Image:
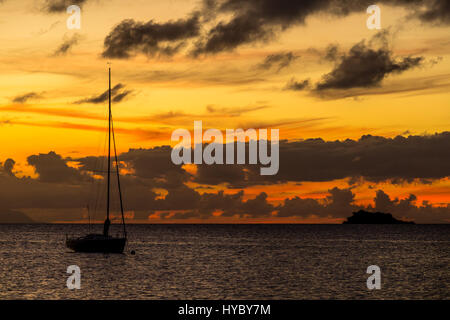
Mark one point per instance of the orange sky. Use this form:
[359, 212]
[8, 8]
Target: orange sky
[224, 90]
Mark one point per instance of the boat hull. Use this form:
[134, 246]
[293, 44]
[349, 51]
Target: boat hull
[97, 244]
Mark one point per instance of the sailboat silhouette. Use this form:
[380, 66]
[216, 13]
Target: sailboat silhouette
[104, 242]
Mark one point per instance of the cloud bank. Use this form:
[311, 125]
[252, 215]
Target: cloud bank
[224, 25]
[154, 186]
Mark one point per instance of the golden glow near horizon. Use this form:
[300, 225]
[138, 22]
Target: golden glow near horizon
[226, 90]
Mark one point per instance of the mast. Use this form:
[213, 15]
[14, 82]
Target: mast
[111, 129]
[107, 222]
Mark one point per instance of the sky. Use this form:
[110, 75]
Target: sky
[363, 114]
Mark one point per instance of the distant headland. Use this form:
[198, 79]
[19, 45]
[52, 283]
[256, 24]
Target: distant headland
[365, 217]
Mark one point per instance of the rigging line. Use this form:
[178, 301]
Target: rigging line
[99, 164]
[94, 188]
[118, 179]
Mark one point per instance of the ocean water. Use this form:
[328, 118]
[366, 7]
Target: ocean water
[231, 262]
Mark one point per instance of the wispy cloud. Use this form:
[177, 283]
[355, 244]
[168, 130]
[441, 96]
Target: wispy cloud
[67, 44]
[139, 133]
[23, 98]
[116, 94]
[59, 112]
[278, 61]
[297, 85]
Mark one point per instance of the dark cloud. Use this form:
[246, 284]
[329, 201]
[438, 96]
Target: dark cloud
[52, 168]
[260, 20]
[162, 171]
[278, 61]
[58, 6]
[362, 69]
[229, 24]
[301, 207]
[408, 207]
[228, 36]
[8, 166]
[297, 85]
[331, 52]
[365, 67]
[214, 174]
[121, 96]
[23, 98]
[373, 158]
[67, 44]
[436, 12]
[204, 206]
[145, 171]
[150, 38]
[27, 193]
[257, 207]
[254, 21]
[412, 86]
[116, 95]
[340, 202]
[226, 203]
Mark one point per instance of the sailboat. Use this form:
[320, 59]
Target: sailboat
[104, 242]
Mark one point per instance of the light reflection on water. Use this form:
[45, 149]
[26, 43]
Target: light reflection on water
[231, 262]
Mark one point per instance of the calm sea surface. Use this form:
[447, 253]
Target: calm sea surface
[231, 262]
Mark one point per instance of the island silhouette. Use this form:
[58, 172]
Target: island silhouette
[366, 217]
